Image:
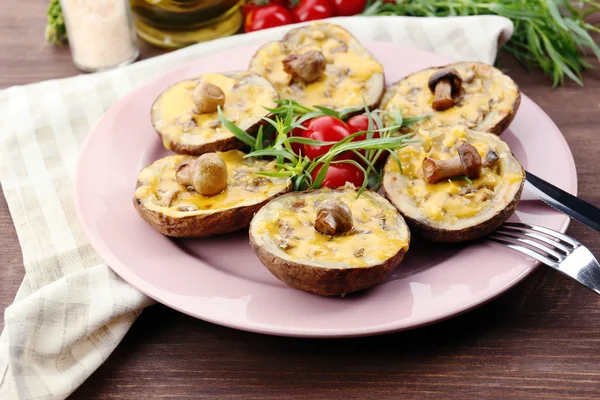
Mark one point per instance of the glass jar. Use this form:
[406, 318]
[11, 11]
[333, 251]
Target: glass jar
[101, 33]
[178, 23]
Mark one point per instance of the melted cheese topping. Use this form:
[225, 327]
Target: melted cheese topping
[452, 202]
[488, 97]
[348, 75]
[286, 226]
[174, 116]
[160, 191]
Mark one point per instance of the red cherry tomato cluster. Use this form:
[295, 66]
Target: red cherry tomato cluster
[263, 14]
[330, 129]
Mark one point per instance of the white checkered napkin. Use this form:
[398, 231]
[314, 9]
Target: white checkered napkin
[71, 310]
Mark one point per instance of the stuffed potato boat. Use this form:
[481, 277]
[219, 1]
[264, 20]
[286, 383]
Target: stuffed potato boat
[216, 193]
[185, 114]
[456, 186]
[472, 95]
[328, 241]
[321, 64]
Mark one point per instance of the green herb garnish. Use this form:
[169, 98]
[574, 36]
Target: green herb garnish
[462, 178]
[552, 35]
[56, 32]
[290, 115]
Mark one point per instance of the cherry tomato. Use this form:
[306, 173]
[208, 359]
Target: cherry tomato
[325, 129]
[338, 174]
[360, 123]
[310, 10]
[269, 16]
[348, 7]
[247, 6]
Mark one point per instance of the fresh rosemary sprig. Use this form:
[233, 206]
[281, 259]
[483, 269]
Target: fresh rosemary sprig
[276, 141]
[552, 35]
[56, 32]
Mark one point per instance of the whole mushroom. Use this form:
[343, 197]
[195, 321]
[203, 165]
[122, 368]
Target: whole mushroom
[308, 67]
[446, 84]
[334, 217]
[466, 163]
[207, 174]
[207, 97]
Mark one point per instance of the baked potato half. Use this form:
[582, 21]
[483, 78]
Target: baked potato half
[469, 94]
[168, 193]
[433, 190]
[186, 118]
[321, 64]
[328, 241]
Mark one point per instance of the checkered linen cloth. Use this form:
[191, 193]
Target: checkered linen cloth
[71, 310]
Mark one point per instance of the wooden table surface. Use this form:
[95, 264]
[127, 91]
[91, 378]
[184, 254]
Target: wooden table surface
[539, 340]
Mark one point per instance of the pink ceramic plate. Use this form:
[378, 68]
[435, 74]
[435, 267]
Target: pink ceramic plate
[221, 281]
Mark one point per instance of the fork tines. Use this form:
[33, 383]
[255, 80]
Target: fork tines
[543, 244]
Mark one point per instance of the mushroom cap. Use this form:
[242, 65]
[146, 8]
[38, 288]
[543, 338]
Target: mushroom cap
[209, 174]
[308, 66]
[449, 74]
[333, 217]
[470, 159]
[207, 97]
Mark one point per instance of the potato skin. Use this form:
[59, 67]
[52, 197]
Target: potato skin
[199, 226]
[326, 281]
[505, 122]
[498, 128]
[372, 106]
[463, 235]
[230, 143]
[381, 91]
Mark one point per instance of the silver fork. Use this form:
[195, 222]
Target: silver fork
[555, 249]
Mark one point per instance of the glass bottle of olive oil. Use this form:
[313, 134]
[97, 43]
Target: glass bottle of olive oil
[178, 23]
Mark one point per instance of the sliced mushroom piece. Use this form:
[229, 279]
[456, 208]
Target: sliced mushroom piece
[490, 158]
[333, 217]
[308, 67]
[207, 174]
[446, 85]
[208, 98]
[168, 198]
[467, 163]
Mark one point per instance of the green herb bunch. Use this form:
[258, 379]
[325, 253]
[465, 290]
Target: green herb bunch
[552, 35]
[56, 32]
[276, 141]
